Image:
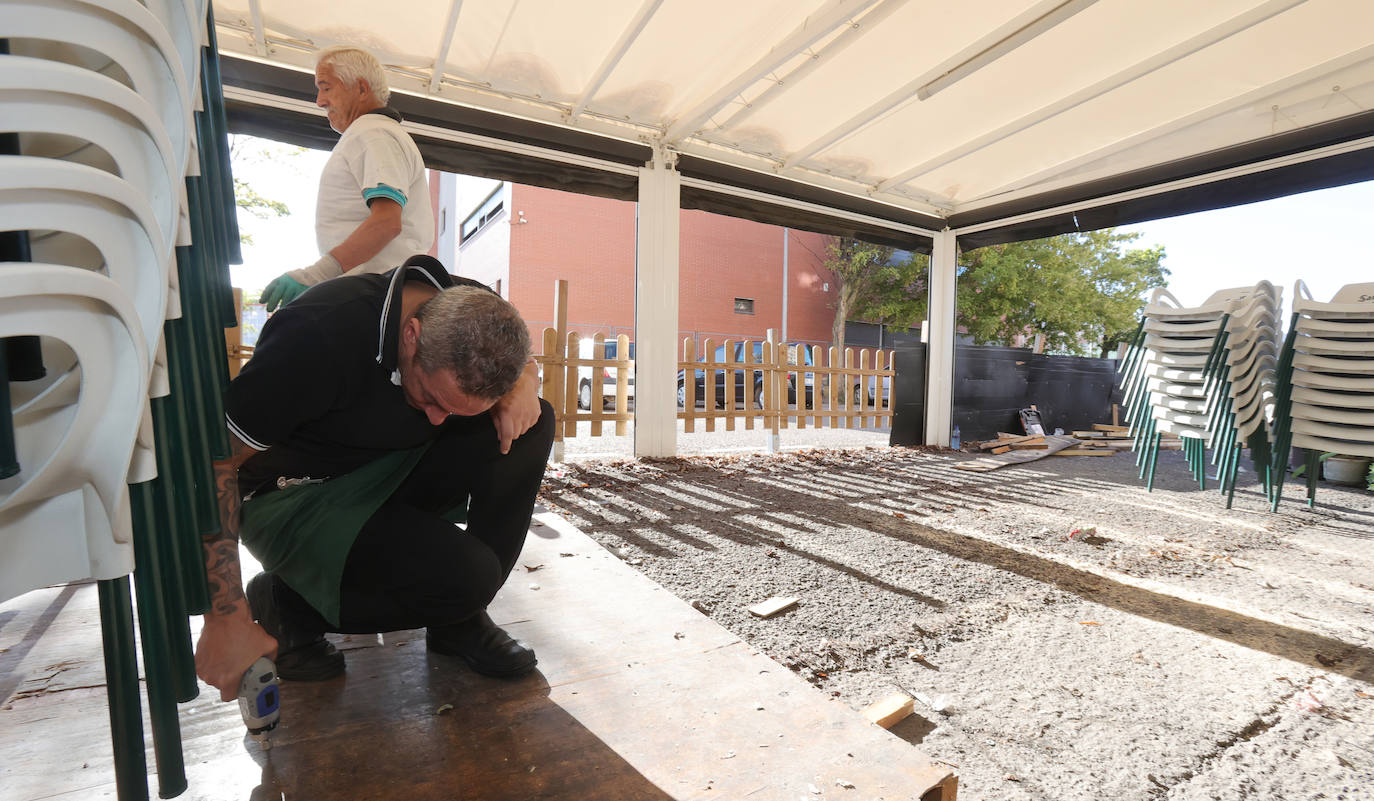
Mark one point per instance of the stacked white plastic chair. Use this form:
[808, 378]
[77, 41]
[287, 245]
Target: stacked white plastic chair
[1326, 380]
[1204, 375]
[100, 105]
[1240, 385]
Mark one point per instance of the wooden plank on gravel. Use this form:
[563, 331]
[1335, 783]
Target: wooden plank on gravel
[890, 710]
[1106, 427]
[984, 464]
[1084, 452]
[772, 606]
[1008, 439]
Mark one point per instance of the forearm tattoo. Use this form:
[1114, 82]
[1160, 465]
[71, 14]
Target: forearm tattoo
[222, 547]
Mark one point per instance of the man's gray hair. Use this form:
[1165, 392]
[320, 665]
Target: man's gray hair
[478, 335]
[352, 64]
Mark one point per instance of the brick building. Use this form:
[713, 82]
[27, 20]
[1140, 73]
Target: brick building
[733, 275]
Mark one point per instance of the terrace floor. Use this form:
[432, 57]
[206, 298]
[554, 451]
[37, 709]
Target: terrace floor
[637, 696]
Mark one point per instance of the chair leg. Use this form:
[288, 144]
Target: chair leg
[1230, 482]
[121, 678]
[1154, 457]
[157, 608]
[1147, 437]
[1313, 465]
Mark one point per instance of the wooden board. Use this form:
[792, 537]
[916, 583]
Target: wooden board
[772, 606]
[637, 696]
[890, 710]
[1010, 439]
[1084, 452]
[985, 464]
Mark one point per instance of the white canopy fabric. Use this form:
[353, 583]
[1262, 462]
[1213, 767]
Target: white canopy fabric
[999, 119]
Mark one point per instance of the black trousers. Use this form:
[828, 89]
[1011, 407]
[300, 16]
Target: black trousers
[409, 567]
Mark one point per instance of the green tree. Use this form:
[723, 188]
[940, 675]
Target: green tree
[1082, 291]
[244, 153]
[863, 274]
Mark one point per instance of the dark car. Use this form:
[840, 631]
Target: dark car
[746, 389]
[856, 389]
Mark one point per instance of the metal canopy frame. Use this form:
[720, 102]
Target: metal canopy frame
[1029, 200]
[951, 126]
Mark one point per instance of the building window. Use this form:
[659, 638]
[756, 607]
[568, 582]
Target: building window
[744, 305]
[489, 210]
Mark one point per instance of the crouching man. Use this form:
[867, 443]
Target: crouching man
[376, 411]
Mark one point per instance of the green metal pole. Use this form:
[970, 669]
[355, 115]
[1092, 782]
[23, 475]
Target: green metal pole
[1154, 457]
[154, 623]
[121, 677]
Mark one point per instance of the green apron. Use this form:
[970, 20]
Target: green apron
[304, 533]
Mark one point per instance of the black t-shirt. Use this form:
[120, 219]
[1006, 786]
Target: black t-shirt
[321, 394]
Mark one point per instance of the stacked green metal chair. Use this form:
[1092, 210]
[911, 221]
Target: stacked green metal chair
[1325, 395]
[1240, 386]
[1204, 375]
[115, 190]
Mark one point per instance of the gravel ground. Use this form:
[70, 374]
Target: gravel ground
[721, 442]
[1066, 634]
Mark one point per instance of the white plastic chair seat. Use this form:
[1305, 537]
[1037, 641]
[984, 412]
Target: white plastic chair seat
[1333, 347]
[128, 34]
[1178, 374]
[1318, 380]
[1197, 328]
[1332, 431]
[1327, 364]
[1331, 445]
[1325, 444]
[1184, 428]
[1327, 414]
[1176, 389]
[104, 210]
[41, 96]
[65, 516]
[185, 28]
[1178, 360]
[1336, 329]
[1351, 300]
[1164, 306]
[1179, 345]
[1348, 400]
[1244, 357]
[1169, 404]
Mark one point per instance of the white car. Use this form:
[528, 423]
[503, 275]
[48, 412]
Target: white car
[608, 375]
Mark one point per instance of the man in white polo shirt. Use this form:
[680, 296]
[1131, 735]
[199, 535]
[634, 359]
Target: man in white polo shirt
[373, 209]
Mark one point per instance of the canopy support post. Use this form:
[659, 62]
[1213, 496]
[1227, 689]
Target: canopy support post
[656, 306]
[940, 344]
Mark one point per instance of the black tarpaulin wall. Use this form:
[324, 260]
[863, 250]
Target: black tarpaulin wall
[991, 384]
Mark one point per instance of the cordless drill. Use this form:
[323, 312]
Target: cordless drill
[259, 700]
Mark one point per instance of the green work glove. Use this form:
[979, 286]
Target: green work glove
[280, 291]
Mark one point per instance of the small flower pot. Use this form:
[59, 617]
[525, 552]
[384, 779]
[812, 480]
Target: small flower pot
[1349, 471]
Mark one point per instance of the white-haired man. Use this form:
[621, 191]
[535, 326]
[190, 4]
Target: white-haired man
[373, 209]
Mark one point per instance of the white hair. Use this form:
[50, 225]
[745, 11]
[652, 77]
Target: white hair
[352, 64]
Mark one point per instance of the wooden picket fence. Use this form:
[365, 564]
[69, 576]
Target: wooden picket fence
[562, 366]
[770, 385]
[780, 389]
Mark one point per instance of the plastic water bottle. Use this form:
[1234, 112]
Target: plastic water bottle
[954, 439]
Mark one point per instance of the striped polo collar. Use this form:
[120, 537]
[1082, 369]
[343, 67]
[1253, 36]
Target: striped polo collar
[416, 268]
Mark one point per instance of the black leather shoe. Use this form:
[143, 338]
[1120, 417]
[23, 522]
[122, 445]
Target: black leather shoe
[301, 656]
[486, 647]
